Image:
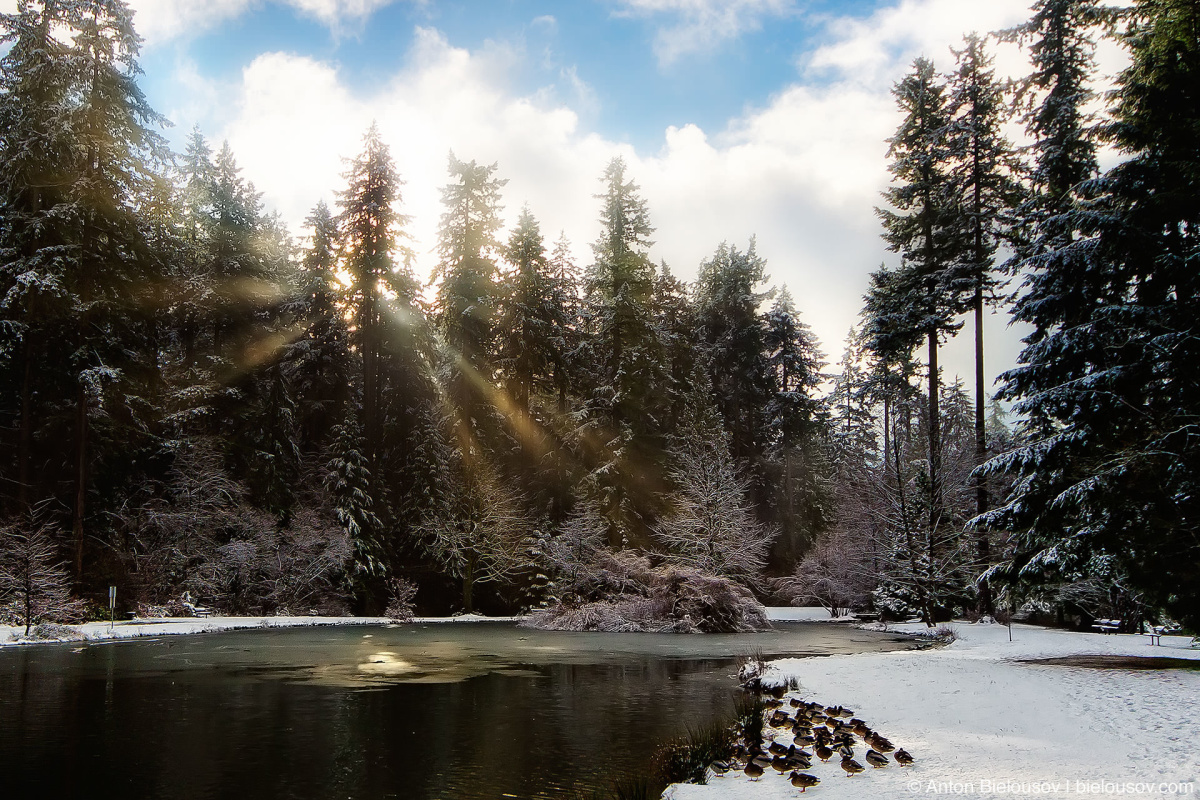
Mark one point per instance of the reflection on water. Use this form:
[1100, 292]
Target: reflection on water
[436, 711]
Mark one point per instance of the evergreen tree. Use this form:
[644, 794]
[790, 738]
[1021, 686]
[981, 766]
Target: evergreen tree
[920, 296]
[532, 322]
[320, 364]
[985, 182]
[624, 356]
[467, 296]
[370, 226]
[795, 429]
[730, 328]
[1117, 467]
[78, 150]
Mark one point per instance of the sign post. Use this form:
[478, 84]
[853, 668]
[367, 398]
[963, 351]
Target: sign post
[112, 605]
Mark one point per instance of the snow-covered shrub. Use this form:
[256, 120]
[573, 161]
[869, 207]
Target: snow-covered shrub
[53, 632]
[400, 600]
[837, 573]
[627, 594]
[34, 585]
[201, 536]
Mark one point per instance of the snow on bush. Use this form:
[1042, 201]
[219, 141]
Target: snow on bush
[625, 594]
[200, 536]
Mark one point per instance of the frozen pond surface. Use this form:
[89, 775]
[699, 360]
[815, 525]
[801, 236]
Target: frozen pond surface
[481, 710]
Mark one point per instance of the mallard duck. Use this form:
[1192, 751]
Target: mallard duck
[800, 762]
[862, 730]
[833, 711]
[777, 749]
[831, 722]
[719, 767]
[772, 702]
[844, 750]
[881, 744]
[846, 713]
[795, 703]
[802, 780]
[804, 739]
[780, 764]
[852, 767]
[823, 752]
[876, 759]
[902, 757]
[753, 770]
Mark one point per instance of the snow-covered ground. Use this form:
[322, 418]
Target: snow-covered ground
[980, 723]
[129, 629]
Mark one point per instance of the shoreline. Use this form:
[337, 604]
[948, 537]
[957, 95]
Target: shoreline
[981, 720]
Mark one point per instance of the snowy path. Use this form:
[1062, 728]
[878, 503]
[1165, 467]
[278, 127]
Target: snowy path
[980, 723]
[99, 631]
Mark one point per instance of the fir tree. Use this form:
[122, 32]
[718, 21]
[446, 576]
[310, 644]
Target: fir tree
[1117, 466]
[467, 295]
[987, 191]
[920, 299]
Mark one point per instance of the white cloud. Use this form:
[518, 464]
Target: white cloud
[159, 21]
[803, 172]
[701, 24]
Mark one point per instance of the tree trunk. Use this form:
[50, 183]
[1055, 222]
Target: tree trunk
[982, 544]
[935, 435]
[25, 436]
[468, 585]
[81, 436]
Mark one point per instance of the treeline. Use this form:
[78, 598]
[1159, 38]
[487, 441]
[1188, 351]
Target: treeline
[1089, 510]
[191, 402]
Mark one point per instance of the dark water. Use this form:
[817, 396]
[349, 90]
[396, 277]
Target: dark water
[437, 711]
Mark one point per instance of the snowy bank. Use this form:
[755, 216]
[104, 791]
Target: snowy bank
[131, 629]
[981, 722]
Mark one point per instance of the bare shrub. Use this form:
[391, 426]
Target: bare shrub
[400, 600]
[837, 573]
[33, 581]
[201, 536]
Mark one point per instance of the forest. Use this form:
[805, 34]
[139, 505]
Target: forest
[196, 402]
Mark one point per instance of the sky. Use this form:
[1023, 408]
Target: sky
[737, 118]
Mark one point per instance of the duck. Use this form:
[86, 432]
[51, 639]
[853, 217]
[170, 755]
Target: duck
[823, 752]
[781, 764]
[862, 730]
[903, 758]
[851, 767]
[846, 713]
[795, 703]
[844, 750]
[804, 739]
[777, 749]
[881, 744]
[876, 759]
[719, 767]
[800, 760]
[802, 780]
[833, 711]
[753, 770]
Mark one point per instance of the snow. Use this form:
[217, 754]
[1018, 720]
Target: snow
[130, 629]
[980, 723]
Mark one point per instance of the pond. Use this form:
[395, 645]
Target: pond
[455, 710]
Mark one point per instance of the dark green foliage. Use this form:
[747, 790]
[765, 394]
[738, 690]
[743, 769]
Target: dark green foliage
[1107, 374]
